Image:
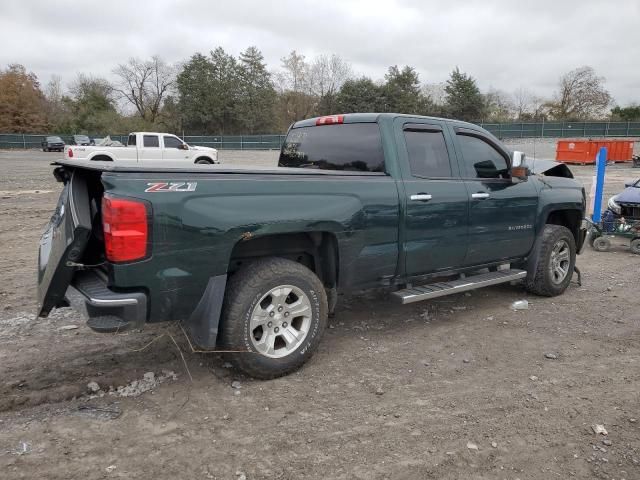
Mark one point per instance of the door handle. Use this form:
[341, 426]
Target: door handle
[480, 196]
[421, 197]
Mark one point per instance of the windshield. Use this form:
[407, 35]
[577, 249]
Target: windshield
[82, 138]
[54, 139]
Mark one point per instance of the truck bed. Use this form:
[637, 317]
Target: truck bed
[180, 167]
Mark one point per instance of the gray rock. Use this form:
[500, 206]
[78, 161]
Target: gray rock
[236, 384]
[551, 356]
[379, 391]
[93, 387]
[607, 442]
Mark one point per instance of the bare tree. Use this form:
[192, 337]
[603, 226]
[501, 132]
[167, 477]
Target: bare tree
[326, 75]
[499, 106]
[527, 105]
[54, 92]
[296, 100]
[294, 76]
[436, 92]
[145, 84]
[581, 96]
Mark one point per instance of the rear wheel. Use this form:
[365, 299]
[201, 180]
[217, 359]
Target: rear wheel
[601, 244]
[275, 311]
[555, 263]
[635, 246]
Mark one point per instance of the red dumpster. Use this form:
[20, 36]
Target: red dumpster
[585, 151]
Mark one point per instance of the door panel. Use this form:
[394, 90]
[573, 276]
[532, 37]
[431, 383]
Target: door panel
[150, 148]
[502, 212]
[501, 220]
[171, 150]
[436, 204]
[435, 229]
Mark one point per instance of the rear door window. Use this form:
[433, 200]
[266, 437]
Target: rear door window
[348, 147]
[151, 141]
[428, 155]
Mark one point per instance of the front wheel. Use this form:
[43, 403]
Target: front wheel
[203, 161]
[555, 263]
[275, 312]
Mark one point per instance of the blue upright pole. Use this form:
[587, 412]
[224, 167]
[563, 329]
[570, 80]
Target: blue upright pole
[601, 163]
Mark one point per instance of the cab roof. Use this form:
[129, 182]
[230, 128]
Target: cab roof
[376, 117]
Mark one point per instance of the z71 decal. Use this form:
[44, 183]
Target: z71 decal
[172, 187]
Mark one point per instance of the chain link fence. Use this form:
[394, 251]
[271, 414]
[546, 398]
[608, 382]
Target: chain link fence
[274, 142]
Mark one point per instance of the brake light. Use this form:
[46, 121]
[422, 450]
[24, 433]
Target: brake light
[70, 153]
[330, 120]
[125, 227]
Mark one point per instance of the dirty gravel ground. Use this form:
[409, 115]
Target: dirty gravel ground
[454, 388]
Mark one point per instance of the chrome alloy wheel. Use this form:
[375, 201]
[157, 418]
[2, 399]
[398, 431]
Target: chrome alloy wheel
[560, 261]
[280, 321]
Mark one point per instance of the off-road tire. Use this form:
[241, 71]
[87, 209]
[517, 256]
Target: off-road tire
[203, 161]
[244, 290]
[601, 244]
[635, 246]
[539, 281]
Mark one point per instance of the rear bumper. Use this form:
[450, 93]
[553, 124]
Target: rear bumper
[89, 295]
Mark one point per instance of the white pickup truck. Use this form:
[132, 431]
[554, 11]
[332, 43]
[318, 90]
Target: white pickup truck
[145, 146]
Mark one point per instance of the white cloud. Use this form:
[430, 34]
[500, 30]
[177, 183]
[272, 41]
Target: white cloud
[503, 44]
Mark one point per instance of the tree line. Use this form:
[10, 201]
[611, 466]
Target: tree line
[218, 93]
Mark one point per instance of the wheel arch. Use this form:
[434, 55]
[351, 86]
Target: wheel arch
[567, 217]
[204, 157]
[101, 157]
[318, 251]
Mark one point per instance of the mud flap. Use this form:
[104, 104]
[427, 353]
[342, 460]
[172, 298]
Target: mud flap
[202, 325]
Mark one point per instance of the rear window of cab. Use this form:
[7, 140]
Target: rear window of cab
[355, 147]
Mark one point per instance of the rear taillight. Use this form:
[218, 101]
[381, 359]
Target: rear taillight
[70, 153]
[330, 120]
[126, 229]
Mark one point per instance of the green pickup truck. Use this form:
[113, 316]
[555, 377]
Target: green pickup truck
[251, 260]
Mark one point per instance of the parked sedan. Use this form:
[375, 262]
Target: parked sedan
[81, 140]
[50, 144]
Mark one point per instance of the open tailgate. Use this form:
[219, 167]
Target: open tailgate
[63, 241]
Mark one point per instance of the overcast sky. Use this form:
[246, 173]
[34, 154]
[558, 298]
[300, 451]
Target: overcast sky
[503, 44]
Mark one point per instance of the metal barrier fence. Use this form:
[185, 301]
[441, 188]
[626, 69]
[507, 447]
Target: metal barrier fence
[229, 142]
[563, 129]
[274, 142]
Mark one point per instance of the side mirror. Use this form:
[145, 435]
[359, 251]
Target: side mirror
[519, 168]
[184, 146]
